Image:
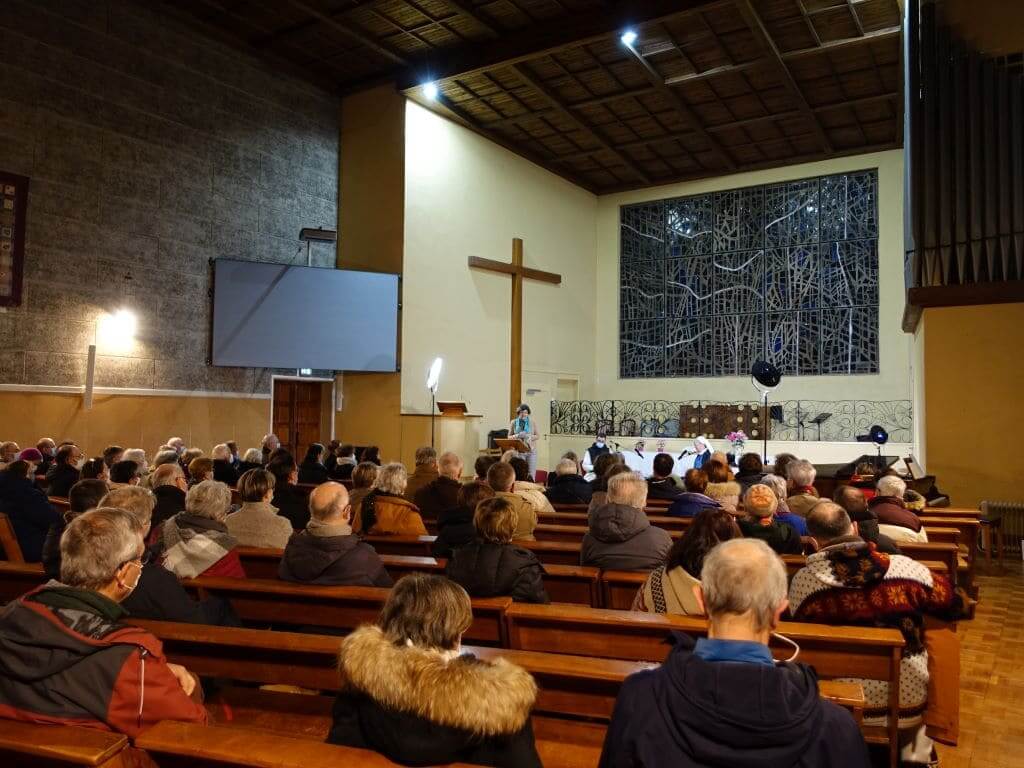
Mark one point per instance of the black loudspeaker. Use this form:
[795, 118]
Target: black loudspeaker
[766, 374]
[496, 434]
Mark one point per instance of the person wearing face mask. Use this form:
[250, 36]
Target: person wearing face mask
[67, 657]
[30, 513]
[524, 428]
[48, 448]
[597, 448]
[64, 473]
[723, 700]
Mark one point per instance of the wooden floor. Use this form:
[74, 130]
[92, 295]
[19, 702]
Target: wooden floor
[992, 676]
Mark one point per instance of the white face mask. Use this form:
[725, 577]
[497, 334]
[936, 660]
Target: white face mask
[138, 578]
[786, 640]
[80, 463]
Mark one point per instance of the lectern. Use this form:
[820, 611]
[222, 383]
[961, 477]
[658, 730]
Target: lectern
[452, 408]
[512, 444]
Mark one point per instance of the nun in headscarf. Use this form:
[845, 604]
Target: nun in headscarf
[702, 448]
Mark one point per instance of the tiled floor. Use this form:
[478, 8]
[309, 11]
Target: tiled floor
[992, 676]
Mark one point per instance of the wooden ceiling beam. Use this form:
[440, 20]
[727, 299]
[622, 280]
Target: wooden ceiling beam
[348, 32]
[886, 33]
[466, 10]
[763, 36]
[544, 38]
[558, 104]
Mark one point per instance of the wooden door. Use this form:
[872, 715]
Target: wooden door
[296, 415]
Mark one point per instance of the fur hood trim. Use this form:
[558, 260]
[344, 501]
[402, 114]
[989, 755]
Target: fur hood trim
[485, 698]
[722, 490]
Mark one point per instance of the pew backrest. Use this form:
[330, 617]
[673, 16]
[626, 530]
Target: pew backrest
[58, 745]
[9, 541]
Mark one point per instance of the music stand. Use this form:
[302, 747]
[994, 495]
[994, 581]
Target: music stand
[818, 420]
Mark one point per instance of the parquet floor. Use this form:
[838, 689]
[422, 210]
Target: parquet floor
[992, 676]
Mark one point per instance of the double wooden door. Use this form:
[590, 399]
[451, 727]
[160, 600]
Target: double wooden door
[296, 417]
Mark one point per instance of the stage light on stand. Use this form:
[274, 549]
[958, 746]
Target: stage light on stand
[628, 38]
[765, 377]
[879, 437]
[433, 380]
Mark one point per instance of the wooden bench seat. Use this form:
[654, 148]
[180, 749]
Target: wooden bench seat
[29, 744]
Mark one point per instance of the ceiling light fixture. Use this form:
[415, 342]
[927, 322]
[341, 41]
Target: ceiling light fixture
[430, 90]
[628, 38]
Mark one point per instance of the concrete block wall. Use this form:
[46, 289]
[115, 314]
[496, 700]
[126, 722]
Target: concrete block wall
[151, 150]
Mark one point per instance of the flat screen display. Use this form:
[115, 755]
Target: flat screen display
[283, 316]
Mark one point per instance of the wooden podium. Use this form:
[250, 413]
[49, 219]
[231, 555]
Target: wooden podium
[512, 444]
[452, 408]
[457, 430]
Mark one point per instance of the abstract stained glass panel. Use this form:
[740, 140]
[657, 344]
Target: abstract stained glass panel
[786, 272]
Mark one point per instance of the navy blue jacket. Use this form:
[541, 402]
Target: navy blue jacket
[692, 713]
[691, 504]
[30, 512]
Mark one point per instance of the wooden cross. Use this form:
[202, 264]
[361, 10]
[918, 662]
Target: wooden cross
[518, 272]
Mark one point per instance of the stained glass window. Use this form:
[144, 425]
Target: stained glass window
[786, 272]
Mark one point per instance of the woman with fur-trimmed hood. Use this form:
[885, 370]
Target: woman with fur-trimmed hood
[408, 693]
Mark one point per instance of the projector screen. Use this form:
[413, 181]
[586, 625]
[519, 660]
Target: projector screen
[281, 316]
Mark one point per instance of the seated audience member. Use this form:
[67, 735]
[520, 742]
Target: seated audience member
[481, 465]
[94, 469]
[169, 486]
[64, 472]
[124, 472]
[363, 477]
[601, 467]
[423, 474]
[331, 456]
[176, 444]
[670, 587]
[65, 656]
[723, 700]
[186, 457]
[600, 498]
[371, 453]
[803, 495]
[8, 451]
[914, 501]
[196, 542]
[268, 445]
[251, 459]
[865, 475]
[344, 463]
[782, 513]
[721, 487]
[257, 523]
[158, 594]
[693, 500]
[894, 519]
[501, 477]
[233, 452]
[28, 509]
[312, 470]
[442, 493]
[525, 487]
[84, 496]
[619, 536]
[751, 470]
[139, 457]
[47, 449]
[660, 485]
[847, 582]
[327, 552]
[455, 526]
[568, 486]
[856, 505]
[200, 470]
[410, 694]
[781, 465]
[112, 454]
[758, 522]
[290, 502]
[490, 565]
[224, 465]
[166, 456]
[384, 510]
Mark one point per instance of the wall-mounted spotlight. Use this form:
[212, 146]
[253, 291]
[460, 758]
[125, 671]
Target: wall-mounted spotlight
[430, 91]
[628, 38]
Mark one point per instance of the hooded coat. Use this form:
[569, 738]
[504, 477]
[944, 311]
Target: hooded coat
[65, 658]
[332, 560]
[389, 514]
[454, 529]
[569, 489]
[420, 707]
[692, 713]
[437, 497]
[486, 569]
[621, 538]
[691, 504]
[30, 513]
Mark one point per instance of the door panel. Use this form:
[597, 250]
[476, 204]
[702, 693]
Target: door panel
[296, 417]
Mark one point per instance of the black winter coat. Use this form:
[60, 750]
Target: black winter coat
[30, 513]
[486, 569]
[224, 471]
[782, 538]
[663, 489]
[437, 497]
[332, 560]
[313, 473]
[692, 713]
[569, 489]
[454, 529]
[293, 504]
[170, 500]
[159, 595]
[59, 480]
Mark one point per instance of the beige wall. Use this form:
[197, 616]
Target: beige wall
[893, 380]
[466, 196]
[973, 376]
[133, 421]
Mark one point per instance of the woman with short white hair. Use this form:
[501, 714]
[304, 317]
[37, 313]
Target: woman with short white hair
[224, 470]
[894, 519]
[139, 457]
[803, 495]
[384, 510]
[196, 542]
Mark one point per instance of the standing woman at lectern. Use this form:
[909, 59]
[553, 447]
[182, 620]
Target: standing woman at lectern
[524, 429]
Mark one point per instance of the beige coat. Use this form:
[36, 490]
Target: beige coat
[257, 524]
[668, 592]
[527, 514]
[534, 494]
[727, 494]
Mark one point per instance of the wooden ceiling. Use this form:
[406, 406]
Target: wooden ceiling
[709, 87]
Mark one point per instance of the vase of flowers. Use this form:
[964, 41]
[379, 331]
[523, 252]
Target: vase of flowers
[738, 440]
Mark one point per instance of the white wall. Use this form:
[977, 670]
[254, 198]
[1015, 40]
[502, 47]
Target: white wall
[466, 196]
[893, 379]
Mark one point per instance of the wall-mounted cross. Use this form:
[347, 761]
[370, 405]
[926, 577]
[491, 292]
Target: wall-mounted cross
[518, 273]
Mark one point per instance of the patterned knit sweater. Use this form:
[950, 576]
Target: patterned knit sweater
[851, 582]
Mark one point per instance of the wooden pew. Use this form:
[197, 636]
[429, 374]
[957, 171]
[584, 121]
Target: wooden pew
[580, 518]
[968, 529]
[9, 541]
[266, 601]
[835, 652]
[18, 578]
[31, 744]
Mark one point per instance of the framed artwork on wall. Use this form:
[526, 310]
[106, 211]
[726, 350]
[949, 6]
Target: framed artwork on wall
[13, 205]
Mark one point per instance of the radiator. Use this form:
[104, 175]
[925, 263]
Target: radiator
[1011, 513]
